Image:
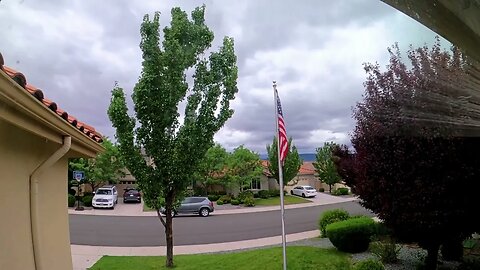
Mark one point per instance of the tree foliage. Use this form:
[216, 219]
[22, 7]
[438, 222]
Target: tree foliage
[155, 131]
[325, 166]
[411, 165]
[106, 167]
[292, 162]
[212, 168]
[244, 166]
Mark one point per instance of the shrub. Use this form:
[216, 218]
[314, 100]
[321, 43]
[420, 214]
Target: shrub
[369, 264]
[274, 193]
[72, 192]
[213, 197]
[244, 194]
[331, 216]
[235, 202]
[219, 202]
[250, 202]
[255, 195]
[343, 191]
[71, 200]
[336, 192]
[264, 194]
[88, 193]
[386, 250]
[321, 189]
[452, 250]
[226, 198]
[352, 235]
[87, 200]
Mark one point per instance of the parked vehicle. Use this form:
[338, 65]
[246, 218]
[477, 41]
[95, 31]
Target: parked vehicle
[105, 197]
[304, 191]
[194, 205]
[132, 195]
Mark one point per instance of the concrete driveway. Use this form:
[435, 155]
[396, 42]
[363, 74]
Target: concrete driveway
[121, 209]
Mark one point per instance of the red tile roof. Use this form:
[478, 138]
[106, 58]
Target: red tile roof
[20, 79]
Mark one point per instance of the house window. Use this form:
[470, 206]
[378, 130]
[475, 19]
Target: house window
[255, 184]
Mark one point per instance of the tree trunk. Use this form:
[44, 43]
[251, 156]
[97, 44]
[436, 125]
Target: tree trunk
[169, 230]
[432, 257]
[330, 188]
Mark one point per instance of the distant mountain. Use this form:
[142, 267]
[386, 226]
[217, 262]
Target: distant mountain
[305, 157]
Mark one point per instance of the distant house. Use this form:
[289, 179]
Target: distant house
[36, 140]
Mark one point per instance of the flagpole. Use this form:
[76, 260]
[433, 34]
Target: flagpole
[280, 180]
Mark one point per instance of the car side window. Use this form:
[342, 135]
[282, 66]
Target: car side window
[197, 200]
[187, 200]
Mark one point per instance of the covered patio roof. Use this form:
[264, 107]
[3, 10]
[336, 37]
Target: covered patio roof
[458, 21]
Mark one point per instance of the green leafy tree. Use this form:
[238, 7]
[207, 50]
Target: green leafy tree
[174, 149]
[211, 169]
[106, 167]
[244, 166]
[292, 162]
[325, 165]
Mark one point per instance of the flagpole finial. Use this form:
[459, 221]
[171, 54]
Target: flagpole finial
[275, 84]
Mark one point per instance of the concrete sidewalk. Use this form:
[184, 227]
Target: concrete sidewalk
[84, 257]
[137, 209]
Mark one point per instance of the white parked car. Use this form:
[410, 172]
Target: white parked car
[105, 197]
[304, 191]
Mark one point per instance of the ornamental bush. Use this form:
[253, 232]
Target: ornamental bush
[213, 198]
[226, 198]
[220, 202]
[235, 202]
[87, 200]
[352, 235]
[244, 194]
[331, 216]
[250, 202]
[264, 194]
[71, 200]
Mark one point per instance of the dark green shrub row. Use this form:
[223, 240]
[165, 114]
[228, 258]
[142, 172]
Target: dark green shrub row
[331, 216]
[264, 194]
[71, 200]
[213, 198]
[369, 264]
[220, 193]
[220, 202]
[235, 202]
[87, 200]
[352, 235]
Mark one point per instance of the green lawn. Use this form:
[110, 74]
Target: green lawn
[276, 200]
[265, 259]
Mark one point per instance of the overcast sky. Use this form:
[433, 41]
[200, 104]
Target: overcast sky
[74, 50]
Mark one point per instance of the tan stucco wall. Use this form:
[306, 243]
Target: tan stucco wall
[20, 154]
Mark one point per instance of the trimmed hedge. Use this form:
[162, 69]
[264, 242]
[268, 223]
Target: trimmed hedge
[343, 191]
[213, 198]
[264, 194]
[235, 202]
[370, 264]
[331, 216]
[321, 189]
[274, 193]
[220, 202]
[71, 200]
[352, 235]
[87, 200]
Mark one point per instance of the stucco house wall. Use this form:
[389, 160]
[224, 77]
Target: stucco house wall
[31, 131]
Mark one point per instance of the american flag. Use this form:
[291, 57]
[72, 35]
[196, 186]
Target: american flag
[282, 132]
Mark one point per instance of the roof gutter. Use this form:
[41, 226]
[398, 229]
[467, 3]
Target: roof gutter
[34, 213]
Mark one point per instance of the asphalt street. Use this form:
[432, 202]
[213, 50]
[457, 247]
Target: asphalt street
[125, 231]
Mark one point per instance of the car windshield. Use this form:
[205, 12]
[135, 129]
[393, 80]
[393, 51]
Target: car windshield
[309, 188]
[104, 192]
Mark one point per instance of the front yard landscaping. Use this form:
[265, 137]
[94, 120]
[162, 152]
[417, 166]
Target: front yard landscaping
[270, 258]
[276, 200]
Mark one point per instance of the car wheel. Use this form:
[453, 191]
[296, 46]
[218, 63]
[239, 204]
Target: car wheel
[204, 212]
[303, 195]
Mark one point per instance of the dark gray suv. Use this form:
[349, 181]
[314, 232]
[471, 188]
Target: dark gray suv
[194, 205]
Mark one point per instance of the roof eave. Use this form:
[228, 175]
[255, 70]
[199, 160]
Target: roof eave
[20, 100]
